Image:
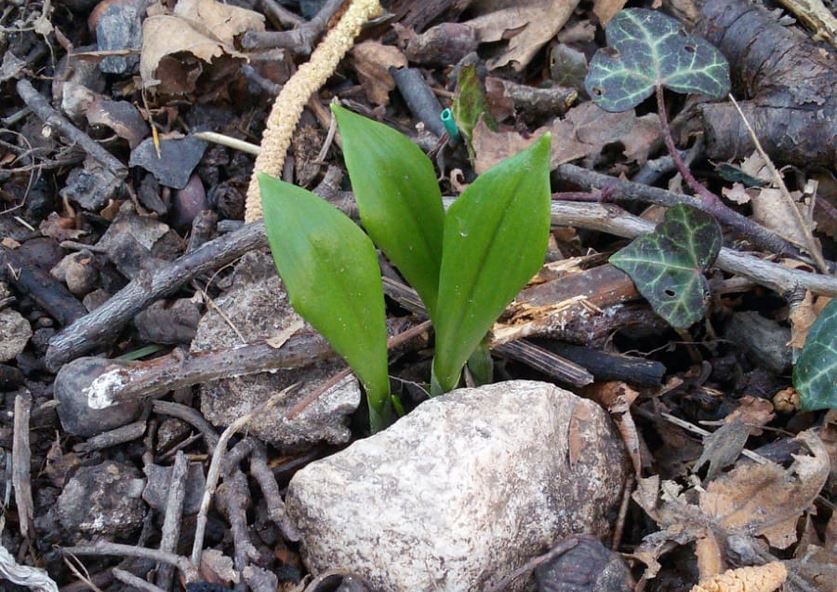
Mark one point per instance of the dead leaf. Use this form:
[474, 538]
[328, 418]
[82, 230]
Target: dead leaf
[222, 21]
[584, 131]
[710, 558]
[767, 499]
[120, 116]
[772, 210]
[607, 9]
[60, 229]
[617, 397]
[737, 193]
[753, 412]
[722, 447]
[587, 129]
[372, 61]
[278, 340]
[527, 25]
[217, 568]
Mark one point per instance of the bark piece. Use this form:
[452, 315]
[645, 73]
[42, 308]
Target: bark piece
[468, 486]
[788, 78]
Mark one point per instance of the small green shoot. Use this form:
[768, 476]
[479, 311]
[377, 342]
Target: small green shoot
[330, 270]
[667, 265]
[815, 373]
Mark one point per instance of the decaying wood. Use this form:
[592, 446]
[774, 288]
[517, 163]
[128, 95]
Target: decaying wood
[21, 470]
[787, 78]
[50, 294]
[604, 366]
[174, 514]
[545, 361]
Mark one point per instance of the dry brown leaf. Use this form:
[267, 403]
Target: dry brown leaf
[120, 116]
[737, 193]
[607, 9]
[771, 209]
[762, 578]
[224, 22]
[710, 558]
[754, 412]
[527, 25]
[766, 499]
[617, 397]
[584, 131]
[372, 61]
[801, 316]
[755, 166]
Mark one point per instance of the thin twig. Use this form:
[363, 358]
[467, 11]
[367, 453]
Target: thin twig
[559, 549]
[713, 204]
[190, 574]
[131, 580]
[171, 523]
[810, 242]
[214, 472]
[227, 141]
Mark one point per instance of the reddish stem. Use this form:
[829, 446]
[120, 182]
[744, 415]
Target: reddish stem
[712, 204]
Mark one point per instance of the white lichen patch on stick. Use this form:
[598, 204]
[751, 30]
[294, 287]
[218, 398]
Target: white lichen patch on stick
[288, 106]
[101, 390]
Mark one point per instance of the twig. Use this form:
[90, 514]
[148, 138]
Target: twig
[21, 470]
[190, 416]
[174, 513]
[190, 574]
[300, 40]
[711, 203]
[114, 437]
[623, 512]
[214, 472]
[285, 17]
[131, 580]
[810, 242]
[44, 111]
[227, 141]
[420, 99]
[294, 95]
[545, 361]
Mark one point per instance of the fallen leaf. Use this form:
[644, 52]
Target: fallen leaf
[60, 229]
[527, 25]
[772, 210]
[372, 61]
[802, 315]
[607, 9]
[737, 193]
[584, 131]
[766, 499]
[222, 21]
[120, 116]
[752, 412]
[722, 447]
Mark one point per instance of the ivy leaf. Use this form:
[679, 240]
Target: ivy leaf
[398, 199]
[495, 240]
[330, 270]
[667, 265]
[647, 49]
[815, 373]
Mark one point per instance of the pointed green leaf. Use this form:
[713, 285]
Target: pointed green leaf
[469, 102]
[815, 373]
[667, 265]
[495, 240]
[647, 49]
[331, 273]
[398, 199]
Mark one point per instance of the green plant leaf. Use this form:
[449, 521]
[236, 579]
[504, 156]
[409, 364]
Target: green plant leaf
[469, 102]
[667, 265]
[398, 199]
[815, 373]
[331, 273]
[495, 240]
[647, 49]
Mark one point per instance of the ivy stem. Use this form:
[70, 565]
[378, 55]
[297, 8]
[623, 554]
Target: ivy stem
[712, 204]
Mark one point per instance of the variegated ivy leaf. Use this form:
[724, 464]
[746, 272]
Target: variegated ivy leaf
[667, 265]
[647, 49]
[815, 373]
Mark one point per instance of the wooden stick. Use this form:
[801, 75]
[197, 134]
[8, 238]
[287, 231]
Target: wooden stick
[21, 470]
[174, 513]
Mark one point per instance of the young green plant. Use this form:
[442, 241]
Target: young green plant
[466, 265]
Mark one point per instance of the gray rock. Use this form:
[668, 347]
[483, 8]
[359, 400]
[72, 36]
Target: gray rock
[103, 500]
[763, 340]
[257, 305]
[168, 322]
[91, 186]
[14, 334]
[78, 270]
[177, 159]
[74, 410]
[463, 490]
[119, 27]
[156, 491]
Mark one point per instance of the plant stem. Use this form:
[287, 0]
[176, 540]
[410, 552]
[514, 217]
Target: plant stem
[759, 235]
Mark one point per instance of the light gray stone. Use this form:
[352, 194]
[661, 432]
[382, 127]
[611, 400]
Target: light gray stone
[463, 490]
[14, 334]
[256, 307]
